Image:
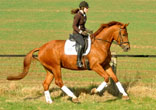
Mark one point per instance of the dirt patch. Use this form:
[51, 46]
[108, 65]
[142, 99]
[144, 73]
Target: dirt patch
[142, 91]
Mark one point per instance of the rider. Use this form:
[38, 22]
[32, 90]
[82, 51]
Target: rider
[79, 29]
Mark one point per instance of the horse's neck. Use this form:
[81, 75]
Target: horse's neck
[106, 37]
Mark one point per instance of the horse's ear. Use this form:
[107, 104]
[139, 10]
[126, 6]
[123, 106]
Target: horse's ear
[126, 24]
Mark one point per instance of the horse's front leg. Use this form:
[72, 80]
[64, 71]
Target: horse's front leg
[118, 84]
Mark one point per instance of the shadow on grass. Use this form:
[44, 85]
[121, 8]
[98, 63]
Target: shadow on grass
[41, 95]
[32, 98]
[111, 89]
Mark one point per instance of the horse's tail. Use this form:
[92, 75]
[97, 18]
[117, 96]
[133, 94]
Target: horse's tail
[26, 64]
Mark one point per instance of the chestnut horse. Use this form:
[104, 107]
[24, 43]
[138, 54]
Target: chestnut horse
[51, 55]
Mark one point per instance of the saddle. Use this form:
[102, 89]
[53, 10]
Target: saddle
[70, 47]
[71, 38]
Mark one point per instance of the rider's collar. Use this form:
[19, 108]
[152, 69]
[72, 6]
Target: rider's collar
[81, 11]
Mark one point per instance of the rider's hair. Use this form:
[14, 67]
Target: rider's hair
[74, 11]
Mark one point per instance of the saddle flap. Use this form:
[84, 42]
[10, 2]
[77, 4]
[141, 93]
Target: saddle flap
[69, 47]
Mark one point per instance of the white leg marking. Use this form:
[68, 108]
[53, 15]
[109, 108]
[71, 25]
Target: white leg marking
[121, 89]
[68, 92]
[47, 96]
[101, 86]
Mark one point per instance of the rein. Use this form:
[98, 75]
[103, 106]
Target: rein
[102, 40]
[121, 39]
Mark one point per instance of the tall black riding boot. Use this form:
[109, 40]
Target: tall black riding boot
[79, 55]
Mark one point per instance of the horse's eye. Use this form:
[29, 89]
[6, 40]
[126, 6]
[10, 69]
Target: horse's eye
[126, 34]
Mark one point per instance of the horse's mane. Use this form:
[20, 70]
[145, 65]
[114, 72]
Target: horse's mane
[106, 26]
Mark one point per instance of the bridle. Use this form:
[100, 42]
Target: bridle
[119, 36]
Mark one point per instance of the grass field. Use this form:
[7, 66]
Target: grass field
[26, 24]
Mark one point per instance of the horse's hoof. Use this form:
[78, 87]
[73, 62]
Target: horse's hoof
[125, 98]
[93, 91]
[75, 100]
[49, 102]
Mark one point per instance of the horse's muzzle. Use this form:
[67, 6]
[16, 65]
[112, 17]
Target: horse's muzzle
[125, 48]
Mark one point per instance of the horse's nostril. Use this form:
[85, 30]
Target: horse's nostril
[126, 48]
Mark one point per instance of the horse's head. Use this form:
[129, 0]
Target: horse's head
[113, 31]
[121, 37]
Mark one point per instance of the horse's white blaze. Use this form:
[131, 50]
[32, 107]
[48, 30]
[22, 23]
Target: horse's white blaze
[68, 92]
[121, 89]
[47, 96]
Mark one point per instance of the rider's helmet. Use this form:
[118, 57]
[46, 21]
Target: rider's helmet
[84, 4]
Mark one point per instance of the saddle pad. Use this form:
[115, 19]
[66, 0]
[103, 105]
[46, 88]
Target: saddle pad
[69, 47]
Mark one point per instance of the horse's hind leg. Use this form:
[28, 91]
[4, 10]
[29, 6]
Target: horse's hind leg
[99, 69]
[59, 82]
[46, 84]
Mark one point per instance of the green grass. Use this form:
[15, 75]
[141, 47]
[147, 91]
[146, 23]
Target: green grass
[140, 104]
[27, 24]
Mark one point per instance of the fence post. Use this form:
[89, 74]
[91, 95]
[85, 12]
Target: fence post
[114, 62]
[113, 89]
